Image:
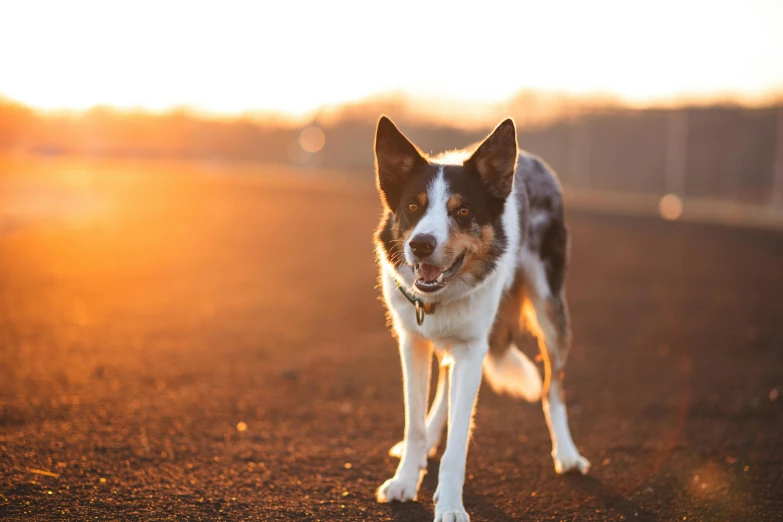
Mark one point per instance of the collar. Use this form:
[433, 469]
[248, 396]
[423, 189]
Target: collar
[422, 307]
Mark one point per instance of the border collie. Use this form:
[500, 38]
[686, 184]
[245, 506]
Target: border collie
[472, 250]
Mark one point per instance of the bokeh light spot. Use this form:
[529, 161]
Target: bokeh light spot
[312, 139]
[241, 426]
[670, 207]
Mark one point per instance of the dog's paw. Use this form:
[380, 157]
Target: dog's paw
[396, 450]
[398, 489]
[451, 514]
[448, 506]
[570, 461]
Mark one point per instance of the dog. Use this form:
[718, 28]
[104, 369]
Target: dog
[472, 248]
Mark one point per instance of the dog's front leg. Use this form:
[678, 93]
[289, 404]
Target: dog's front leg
[416, 354]
[436, 418]
[465, 381]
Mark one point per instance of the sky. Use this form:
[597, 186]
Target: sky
[290, 57]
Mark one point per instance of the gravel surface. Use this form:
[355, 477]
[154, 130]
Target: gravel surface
[211, 346]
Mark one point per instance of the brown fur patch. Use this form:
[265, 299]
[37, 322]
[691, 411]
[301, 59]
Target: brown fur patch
[401, 235]
[455, 202]
[421, 197]
[396, 230]
[506, 328]
[477, 247]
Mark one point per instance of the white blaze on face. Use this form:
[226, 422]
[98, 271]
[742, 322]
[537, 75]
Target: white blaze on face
[435, 220]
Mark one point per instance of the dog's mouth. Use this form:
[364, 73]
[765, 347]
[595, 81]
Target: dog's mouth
[430, 278]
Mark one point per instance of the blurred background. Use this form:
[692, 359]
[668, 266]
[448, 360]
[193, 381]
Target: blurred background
[188, 315]
[636, 104]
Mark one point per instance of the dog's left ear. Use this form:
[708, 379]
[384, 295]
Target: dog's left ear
[496, 159]
[396, 158]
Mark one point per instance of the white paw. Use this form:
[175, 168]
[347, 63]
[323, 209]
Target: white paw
[448, 510]
[396, 450]
[451, 514]
[398, 489]
[570, 460]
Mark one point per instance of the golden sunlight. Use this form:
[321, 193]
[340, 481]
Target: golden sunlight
[238, 57]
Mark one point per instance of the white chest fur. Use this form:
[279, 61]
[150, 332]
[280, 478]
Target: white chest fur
[459, 318]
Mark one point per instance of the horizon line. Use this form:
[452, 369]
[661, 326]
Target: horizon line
[433, 109]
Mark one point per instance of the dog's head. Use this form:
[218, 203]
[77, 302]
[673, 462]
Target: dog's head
[443, 221]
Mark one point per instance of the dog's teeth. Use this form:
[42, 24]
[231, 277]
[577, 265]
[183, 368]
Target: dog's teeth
[440, 278]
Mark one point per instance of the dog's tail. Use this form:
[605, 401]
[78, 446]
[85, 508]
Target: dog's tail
[513, 373]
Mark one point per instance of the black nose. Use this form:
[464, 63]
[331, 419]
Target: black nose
[423, 245]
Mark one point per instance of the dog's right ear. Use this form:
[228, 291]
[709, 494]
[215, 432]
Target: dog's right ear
[396, 158]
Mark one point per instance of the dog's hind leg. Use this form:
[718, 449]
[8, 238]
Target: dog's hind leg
[546, 315]
[506, 368]
[438, 414]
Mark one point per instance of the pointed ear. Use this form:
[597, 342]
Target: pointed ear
[496, 159]
[396, 158]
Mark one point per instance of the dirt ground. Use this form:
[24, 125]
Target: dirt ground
[195, 343]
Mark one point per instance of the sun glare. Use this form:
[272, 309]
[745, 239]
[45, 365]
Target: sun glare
[289, 58]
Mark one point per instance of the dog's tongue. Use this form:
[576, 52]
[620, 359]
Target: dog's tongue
[429, 272]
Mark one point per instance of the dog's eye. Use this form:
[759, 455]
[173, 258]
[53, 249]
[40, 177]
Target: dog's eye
[464, 211]
[413, 207]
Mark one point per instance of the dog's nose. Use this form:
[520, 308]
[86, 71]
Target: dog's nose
[423, 245]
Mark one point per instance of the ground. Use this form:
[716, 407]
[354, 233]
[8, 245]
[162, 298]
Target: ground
[190, 343]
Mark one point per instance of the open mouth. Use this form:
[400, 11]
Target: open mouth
[430, 278]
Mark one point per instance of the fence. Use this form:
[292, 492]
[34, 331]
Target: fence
[725, 164]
